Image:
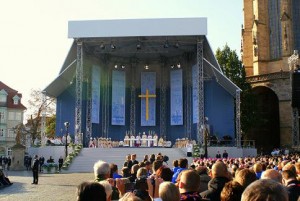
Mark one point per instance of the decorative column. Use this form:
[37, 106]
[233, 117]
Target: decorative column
[200, 83]
[293, 61]
[238, 118]
[79, 78]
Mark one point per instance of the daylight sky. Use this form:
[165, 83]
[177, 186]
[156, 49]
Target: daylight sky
[34, 40]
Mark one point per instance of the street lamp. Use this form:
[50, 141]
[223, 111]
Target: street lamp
[67, 124]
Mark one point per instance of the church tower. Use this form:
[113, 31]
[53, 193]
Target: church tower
[269, 36]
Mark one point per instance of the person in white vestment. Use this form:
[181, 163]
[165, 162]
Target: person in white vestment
[149, 140]
[132, 140]
[138, 140]
[144, 140]
[126, 141]
[155, 139]
[161, 142]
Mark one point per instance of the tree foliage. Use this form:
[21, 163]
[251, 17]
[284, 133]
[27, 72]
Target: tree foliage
[38, 105]
[50, 126]
[232, 67]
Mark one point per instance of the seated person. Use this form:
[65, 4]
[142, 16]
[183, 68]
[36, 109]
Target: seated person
[4, 181]
[50, 160]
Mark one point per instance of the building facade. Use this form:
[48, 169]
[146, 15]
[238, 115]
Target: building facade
[11, 114]
[270, 35]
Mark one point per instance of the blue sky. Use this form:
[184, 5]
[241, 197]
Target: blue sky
[34, 39]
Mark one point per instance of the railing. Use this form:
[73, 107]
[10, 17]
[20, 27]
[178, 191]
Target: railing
[231, 143]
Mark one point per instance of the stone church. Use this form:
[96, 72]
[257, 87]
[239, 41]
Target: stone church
[270, 34]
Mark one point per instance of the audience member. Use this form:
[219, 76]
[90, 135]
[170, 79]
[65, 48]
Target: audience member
[220, 176]
[204, 178]
[265, 189]
[292, 184]
[189, 186]
[90, 191]
[183, 164]
[245, 177]
[168, 192]
[232, 191]
[272, 174]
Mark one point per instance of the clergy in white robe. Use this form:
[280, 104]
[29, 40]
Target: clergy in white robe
[144, 140]
[155, 140]
[149, 140]
[132, 140]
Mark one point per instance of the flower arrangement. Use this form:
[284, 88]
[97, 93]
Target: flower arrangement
[76, 150]
[50, 167]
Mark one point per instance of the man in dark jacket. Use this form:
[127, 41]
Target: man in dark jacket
[35, 170]
[292, 184]
[220, 176]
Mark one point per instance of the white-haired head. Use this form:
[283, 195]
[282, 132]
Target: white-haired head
[101, 170]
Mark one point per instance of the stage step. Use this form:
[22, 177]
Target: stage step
[84, 162]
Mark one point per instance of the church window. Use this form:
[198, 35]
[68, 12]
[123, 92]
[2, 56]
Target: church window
[295, 20]
[11, 116]
[2, 134]
[3, 96]
[18, 116]
[275, 29]
[16, 99]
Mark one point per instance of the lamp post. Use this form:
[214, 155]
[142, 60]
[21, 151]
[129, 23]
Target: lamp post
[67, 124]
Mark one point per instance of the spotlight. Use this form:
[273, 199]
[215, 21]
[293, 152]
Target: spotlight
[102, 46]
[178, 65]
[112, 46]
[166, 45]
[172, 66]
[123, 66]
[116, 66]
[146, 67]
[138, 46]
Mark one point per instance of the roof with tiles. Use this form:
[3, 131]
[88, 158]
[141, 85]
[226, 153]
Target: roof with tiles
[11, 93]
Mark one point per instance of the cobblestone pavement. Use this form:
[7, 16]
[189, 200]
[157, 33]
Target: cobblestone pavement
[52, 187]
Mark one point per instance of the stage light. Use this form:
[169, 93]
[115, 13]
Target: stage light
[112, 46]
[123, 66]
[146, 67]
[172, 66]
[178, 65]
[102, 46]
[138, 46]
[166, 45]
[116, 66]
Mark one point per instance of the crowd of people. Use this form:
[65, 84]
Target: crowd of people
[5, 162]
[223, 178]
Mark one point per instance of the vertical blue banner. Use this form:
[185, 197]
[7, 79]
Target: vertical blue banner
[195, 97]
[148, 98]
[176, 97]
[95, 94]
[118, 98]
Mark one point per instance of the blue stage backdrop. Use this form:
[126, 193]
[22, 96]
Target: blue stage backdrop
[148, 98]
[118, 98]
[176, 97]
[96, 94]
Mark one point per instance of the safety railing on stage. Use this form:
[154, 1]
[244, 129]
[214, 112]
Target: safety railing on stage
[227, 143]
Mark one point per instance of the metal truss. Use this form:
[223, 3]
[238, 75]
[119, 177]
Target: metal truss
[79, 79]
[105, 111]
[88, 132]
[293, 62]
[238, 118]
[133, 100]
[163, 101]
[200, 84]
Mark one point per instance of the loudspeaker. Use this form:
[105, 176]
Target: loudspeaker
[296, 89]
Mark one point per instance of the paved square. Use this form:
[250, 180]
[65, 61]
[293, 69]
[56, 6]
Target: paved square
[51, 187]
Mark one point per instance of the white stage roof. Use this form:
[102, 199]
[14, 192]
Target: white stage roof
[138, 27]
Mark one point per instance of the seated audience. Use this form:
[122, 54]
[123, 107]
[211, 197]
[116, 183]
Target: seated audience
[189, 185]
[232, 191]
[292, 184]
[272, 174]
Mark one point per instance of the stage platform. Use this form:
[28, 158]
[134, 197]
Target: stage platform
[88, 156]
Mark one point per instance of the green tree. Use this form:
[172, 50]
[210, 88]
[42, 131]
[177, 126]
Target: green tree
[232, 67]
[38, 104]
[50, 126]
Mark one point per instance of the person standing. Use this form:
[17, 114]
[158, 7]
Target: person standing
[225, 154]
[41, 161]
[35, 169]
[218, 155]
[60, 162]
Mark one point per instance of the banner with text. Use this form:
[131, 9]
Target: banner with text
[96, 76]
[176, 97]
[118, 98]
[148, 98]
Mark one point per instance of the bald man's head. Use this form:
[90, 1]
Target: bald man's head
[219, 169]
[272, 174]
